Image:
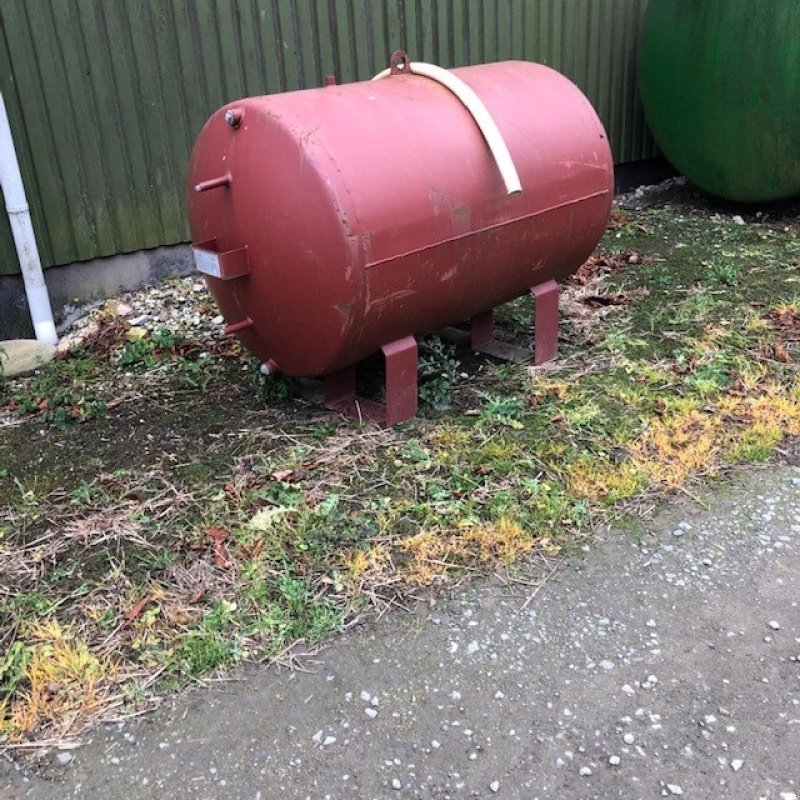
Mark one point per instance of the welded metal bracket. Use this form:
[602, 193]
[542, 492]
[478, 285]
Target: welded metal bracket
[401, 387]
[545, 333]
[224, 265]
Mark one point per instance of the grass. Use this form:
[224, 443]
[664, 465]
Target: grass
[167, 512]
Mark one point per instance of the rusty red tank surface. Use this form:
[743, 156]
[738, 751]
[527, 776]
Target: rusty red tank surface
[332, 223]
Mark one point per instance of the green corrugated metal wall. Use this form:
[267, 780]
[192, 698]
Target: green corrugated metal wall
[105, 98]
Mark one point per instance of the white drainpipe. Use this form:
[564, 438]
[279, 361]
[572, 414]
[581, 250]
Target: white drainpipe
[24, 239]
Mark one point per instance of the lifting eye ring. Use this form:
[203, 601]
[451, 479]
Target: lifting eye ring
[399, 63]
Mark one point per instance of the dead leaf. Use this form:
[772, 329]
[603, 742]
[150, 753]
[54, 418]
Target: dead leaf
[195, 596]
[136, 609]
[218, 535]
[255, 549]
[781, 353]
[283, 474]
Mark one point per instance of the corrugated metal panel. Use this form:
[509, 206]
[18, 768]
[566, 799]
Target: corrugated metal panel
[114, 93]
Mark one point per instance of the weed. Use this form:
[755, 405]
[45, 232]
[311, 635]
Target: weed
[270, 388]
[200, 652]
[60, 678]
[724, 271]
[60, 393]
[505, 410]
[12, 672]
[323, 431]
[149, 351]
[437, 371]
[85, 494]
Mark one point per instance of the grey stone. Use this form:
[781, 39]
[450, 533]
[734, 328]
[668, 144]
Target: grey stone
[23, 356]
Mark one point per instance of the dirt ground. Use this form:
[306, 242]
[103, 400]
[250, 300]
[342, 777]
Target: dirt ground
[666, 662]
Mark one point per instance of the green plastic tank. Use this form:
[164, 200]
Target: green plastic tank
[720, 84]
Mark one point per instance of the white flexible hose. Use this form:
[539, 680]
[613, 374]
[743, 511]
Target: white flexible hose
[479, 113]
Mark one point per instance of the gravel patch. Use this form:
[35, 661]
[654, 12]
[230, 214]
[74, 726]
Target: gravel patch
[697, 703]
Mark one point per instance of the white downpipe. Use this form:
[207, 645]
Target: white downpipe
[24, 239]
[479, 112]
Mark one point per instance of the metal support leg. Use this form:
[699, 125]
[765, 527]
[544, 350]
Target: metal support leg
[481, 329]
[545, 336]
[401, 380]
[401, 387]
[340, 387]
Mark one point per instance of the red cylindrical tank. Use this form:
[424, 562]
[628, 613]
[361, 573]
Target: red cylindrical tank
[343, 218]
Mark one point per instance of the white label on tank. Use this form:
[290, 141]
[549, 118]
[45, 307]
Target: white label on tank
[207, 262]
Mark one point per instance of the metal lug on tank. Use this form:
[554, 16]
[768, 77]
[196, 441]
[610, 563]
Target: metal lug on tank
[214, 183]
[330, 80]
[235, 327]
[399, 63]
[269, 367]
[233, 116]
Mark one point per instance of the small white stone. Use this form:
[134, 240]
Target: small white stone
[614, 761]
[498, 695]
[64, 758]
[585, 771]
[737, 764]
[673, 788]
[629, 738]
[472, 647]
[317, 737]
[328, 740]
[774, 625]
[738, 220]
[435, 744]
[365, 696]
[495, 786]
[371, 712]
[396, 784]
[629, 690]
[607, 665]
[788, 796]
